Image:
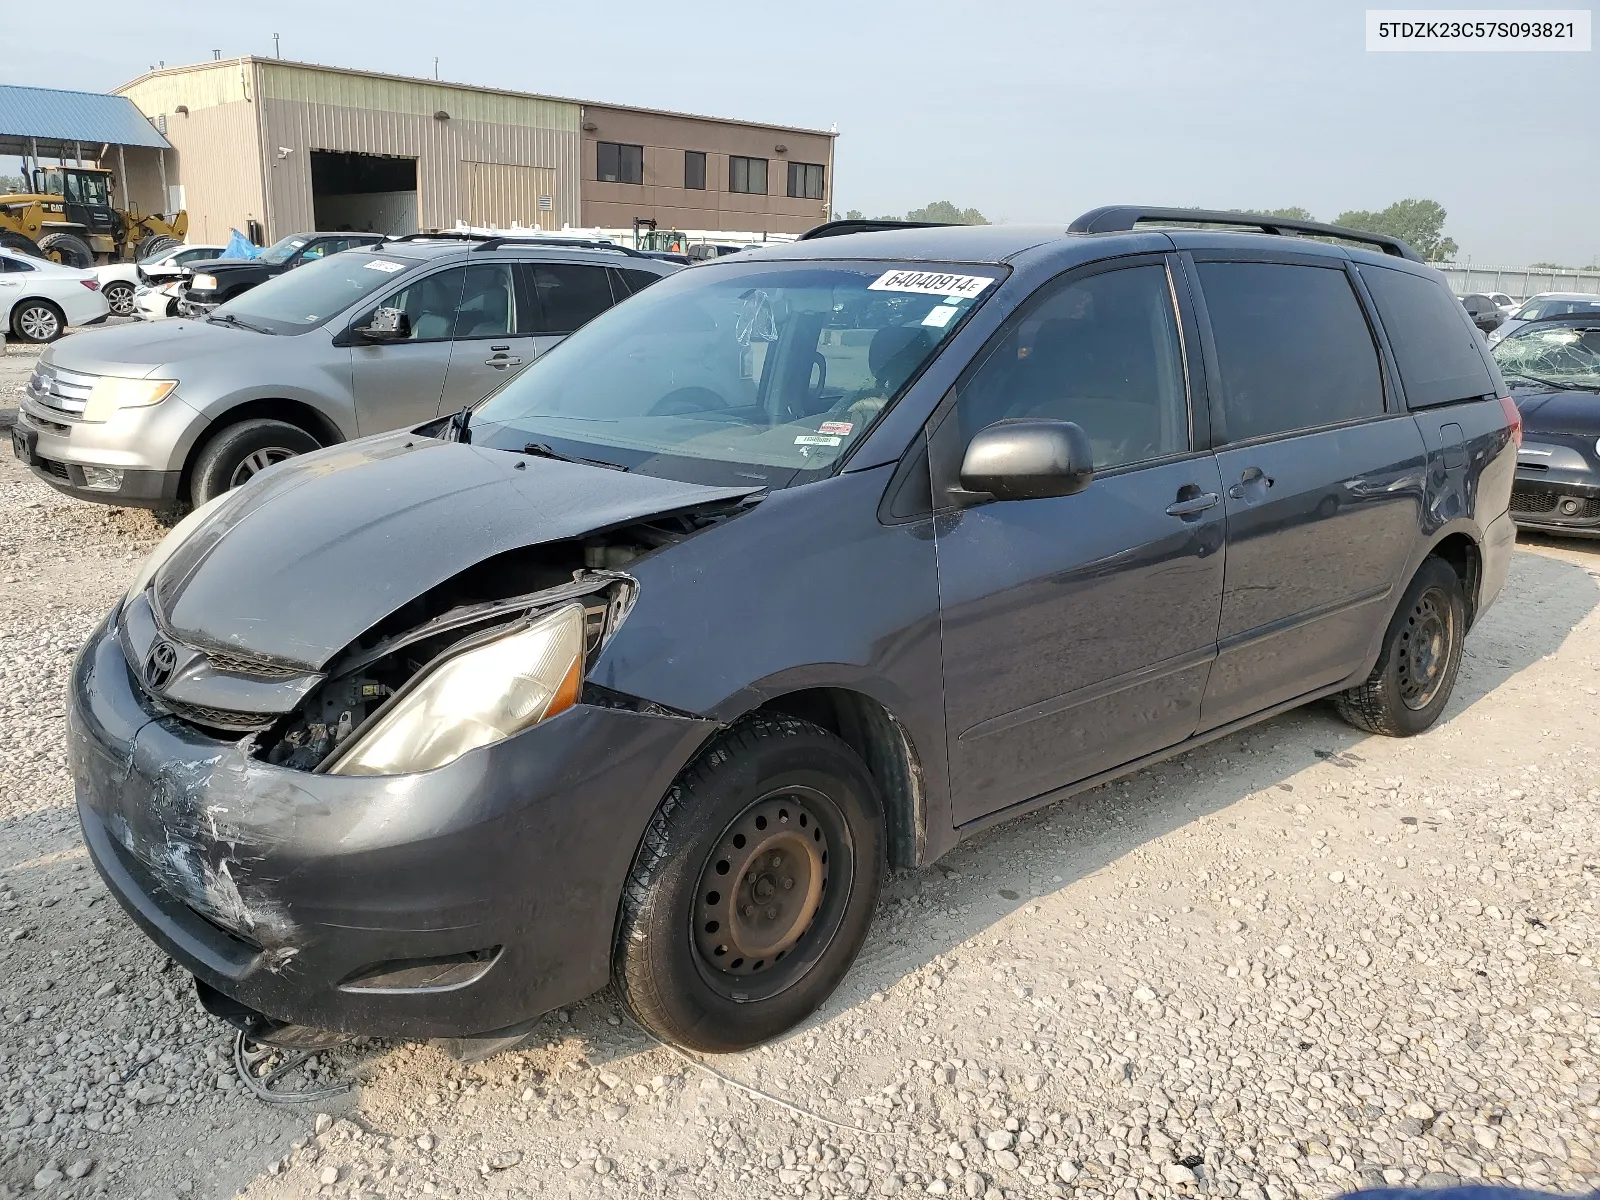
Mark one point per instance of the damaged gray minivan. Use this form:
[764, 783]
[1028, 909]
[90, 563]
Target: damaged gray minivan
[799, 564]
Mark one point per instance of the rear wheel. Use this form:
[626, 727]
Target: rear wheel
[68, 249]
[1416, 672]
[20, 242]
[152, 244]
[119, 295]
[753, 888]
[37, 321]
[238, 452]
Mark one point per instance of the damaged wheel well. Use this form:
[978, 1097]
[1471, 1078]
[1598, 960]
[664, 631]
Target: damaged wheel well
[1461, 552]
[883, 743]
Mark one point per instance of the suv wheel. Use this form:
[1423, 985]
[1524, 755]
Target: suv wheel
[238, 452]
[753, 887]
[1415, 673]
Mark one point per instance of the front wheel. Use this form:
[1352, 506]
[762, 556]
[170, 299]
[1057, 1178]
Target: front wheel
[119, 295]
[1416, 671]
[239, 452]
[37, 321]
[753, 888]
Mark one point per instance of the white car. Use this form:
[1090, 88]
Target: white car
[39, 298]
[119, 281]
[158, 301]
[1546, 304]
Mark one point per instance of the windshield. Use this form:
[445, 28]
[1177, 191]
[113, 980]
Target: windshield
[1567, 355]
[1538, 308]
[307, 296]
[738, 371]
[282, 251]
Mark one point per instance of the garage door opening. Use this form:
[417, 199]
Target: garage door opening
[363, 193]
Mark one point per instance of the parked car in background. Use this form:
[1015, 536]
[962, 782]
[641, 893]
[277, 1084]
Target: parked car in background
[1485, 313]
[1553, 368]
[1503, 302]
[160, 300]
[353, 343]
[39, 298]
[649, 671]
[1547, 304]
[119, 281]
[225, 278]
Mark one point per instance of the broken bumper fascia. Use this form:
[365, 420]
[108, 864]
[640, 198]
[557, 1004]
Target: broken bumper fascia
[275, 886]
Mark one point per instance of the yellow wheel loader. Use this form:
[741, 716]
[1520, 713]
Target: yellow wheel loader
[69, 218]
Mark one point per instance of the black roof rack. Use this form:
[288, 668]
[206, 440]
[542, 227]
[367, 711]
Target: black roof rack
[839, 228]
[1119, 218]
[494, 241]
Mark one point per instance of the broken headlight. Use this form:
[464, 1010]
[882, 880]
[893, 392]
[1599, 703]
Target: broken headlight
[478, 695]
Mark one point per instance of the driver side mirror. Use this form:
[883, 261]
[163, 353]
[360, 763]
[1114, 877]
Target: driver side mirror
[385, 325]
[1028, 458]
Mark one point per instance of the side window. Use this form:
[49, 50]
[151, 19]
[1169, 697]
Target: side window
[569, 295]
[430, 303]
[1293, 346]
[633, 282]
[1436, 351]
[1102, 351]
[313, 252]
[488, 302]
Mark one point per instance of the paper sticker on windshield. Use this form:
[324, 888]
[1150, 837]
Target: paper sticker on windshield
[384, 265]
[940, 316]
[836, 427]
[930, 283]
[812, 439]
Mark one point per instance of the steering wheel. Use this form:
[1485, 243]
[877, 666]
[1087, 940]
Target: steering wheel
[686, 400]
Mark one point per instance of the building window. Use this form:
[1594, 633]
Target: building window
[805, 180]
[748, 175]
[619, 162]
[694, 170]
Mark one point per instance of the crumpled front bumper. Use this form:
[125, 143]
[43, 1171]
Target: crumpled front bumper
[279, 887]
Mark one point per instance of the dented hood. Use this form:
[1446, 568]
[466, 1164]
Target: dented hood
[301, 562]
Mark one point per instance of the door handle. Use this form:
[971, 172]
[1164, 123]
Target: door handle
[1193, 505]
[500, 361]
[1249, 476]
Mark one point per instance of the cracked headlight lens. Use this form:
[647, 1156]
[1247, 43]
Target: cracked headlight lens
[475, 697]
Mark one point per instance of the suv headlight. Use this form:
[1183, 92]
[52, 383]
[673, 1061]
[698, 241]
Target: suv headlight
[476, 696]
[204, 283]
[111, 392]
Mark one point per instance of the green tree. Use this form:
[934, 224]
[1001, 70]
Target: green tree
[1417, 222]
[1547, 266]
[1293, 212]
[11, 185]
[947, 213]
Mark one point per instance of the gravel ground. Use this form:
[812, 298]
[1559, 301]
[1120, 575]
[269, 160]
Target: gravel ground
[1295, 962]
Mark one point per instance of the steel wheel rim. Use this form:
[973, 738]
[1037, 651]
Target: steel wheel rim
[120, 297]
[748, 955]
[257, 461]
[39, 323]
[1427, 643]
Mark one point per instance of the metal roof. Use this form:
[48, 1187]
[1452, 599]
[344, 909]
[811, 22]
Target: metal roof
[60, 120]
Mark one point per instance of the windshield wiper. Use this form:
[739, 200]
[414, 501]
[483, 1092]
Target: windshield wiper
[457, 429]
[1556, 383]
[542, 450]
[230, 319]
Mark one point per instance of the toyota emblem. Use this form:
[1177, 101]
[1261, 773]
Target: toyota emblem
[159, 664]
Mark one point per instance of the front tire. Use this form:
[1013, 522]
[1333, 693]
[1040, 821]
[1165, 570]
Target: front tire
[68, 249]
[753, 888]
[238, 452]
[119, 295]
[1416, 671]
[152, 244]
[37, 321]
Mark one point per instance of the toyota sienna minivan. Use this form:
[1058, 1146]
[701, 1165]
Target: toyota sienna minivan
[802, 564]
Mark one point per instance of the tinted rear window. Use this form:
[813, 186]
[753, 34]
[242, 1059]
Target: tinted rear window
[1435, 346]
[1293, 345]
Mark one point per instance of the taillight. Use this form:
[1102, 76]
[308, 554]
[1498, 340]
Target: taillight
[92, 284]
[1513, 417]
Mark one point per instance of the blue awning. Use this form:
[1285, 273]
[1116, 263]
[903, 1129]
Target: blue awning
[58, 119]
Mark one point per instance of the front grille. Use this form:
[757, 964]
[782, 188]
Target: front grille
[64, 391]
[213, 718]
[246, 664]
[1589, 510]
[1532, 502]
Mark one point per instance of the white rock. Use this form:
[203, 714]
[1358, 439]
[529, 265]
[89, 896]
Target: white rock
[329, 1176]
[47, 1177]
[80, 1168]
[1176, 1173]
[1000, 1139]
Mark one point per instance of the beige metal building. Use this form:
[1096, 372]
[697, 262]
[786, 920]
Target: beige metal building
[292, 146]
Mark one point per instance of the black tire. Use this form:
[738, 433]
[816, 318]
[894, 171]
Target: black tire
[20, 242]
[814, 853]
[1416, 671]
[37, 321]
[119, 295]
[238, 451]
[152, 244]
[68, 249]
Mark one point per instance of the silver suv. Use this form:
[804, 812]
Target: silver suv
[358, 343]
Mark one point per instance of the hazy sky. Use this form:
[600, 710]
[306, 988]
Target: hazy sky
[1028, 109]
